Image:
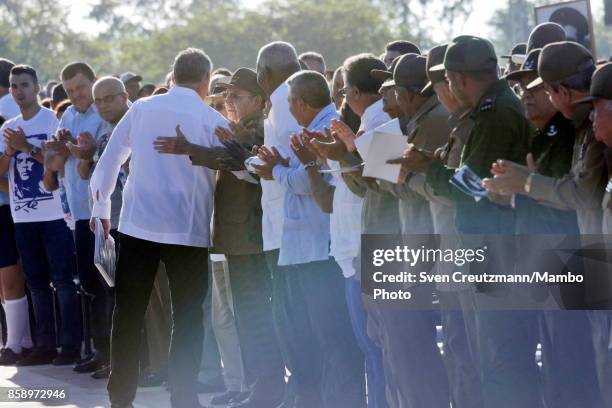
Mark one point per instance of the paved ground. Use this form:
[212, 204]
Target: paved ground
[83, 391]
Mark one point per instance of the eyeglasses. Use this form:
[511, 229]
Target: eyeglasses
[236, 97]
[107, 98]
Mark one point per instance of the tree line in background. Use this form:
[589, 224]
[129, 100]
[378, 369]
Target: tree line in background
[35, 31]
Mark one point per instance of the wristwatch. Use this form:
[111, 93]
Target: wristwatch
[311, 164]
[527, 187]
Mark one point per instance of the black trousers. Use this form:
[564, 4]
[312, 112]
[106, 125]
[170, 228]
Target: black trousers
[314, 324]
[569, 376]
[187, 270]
[92, 281]
[251, 283]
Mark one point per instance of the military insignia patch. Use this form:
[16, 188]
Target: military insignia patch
[552, 131]
[487, 104]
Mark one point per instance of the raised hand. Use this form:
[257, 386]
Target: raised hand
[173, 144]
[16, 139]
[241, 133]
[270, 158]
[237, 151]
[64, 135]
[224, 134]
[55, 154]
[230, 164]
[327, 145]
[86, 146]
[345, 134]
[508, 178]
[299, 145]
[413, 160]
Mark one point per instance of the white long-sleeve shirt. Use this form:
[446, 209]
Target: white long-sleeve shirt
[278, 128]
[166, 199]
[345, 221]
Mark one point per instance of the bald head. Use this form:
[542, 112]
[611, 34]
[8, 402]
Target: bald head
[110, 83]
[110, 98]
[276, 62]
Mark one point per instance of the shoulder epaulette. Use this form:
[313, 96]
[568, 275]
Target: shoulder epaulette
[487, 104]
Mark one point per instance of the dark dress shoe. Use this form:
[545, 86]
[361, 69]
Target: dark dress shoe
[66, 358]
[256, 403]
[8, 357]
[239, 398]
[40, 356]
[26, 351]
[211, 387]
[91, 365]
[86, 358]
[152, 379]
[102, 373]
[286, 404]
[223, 399]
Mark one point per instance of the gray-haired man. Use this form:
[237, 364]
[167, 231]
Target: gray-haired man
[167, 220]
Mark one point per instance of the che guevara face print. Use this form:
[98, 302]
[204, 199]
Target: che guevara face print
[28, 190]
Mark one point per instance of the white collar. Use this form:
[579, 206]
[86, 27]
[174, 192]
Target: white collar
[371, 112]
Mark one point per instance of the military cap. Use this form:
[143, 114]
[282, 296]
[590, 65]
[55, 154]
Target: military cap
[385, 75]
[544, 34]
[410, 72]
[468, 53]
[243, 78]
[529, 66]
[518, 49]
[562, 61]
[601, 84]
[435, 57]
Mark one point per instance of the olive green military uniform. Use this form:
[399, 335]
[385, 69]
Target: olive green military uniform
[411, 359]
[237, 234]
[601, 320]
[506, 339]
[500, 132]
[582, 188]
[461, 124]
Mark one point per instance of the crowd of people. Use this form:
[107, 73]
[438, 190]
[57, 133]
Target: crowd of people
[238, 201]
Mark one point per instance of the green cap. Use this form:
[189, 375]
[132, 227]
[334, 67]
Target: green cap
[385, 75]
[243, 78]
[435, 57]
[529, 66]
[544, 34]
[601, 84]
[468, 53]
[518, 49]
[410, 72]
[562, 61]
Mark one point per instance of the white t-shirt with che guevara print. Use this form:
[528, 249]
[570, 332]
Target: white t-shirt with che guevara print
[30, 202]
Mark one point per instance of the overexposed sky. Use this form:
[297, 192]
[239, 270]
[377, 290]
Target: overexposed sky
[476, 24]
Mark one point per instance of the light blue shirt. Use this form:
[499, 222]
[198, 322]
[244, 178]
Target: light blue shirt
[305, 233]
[77, 189]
